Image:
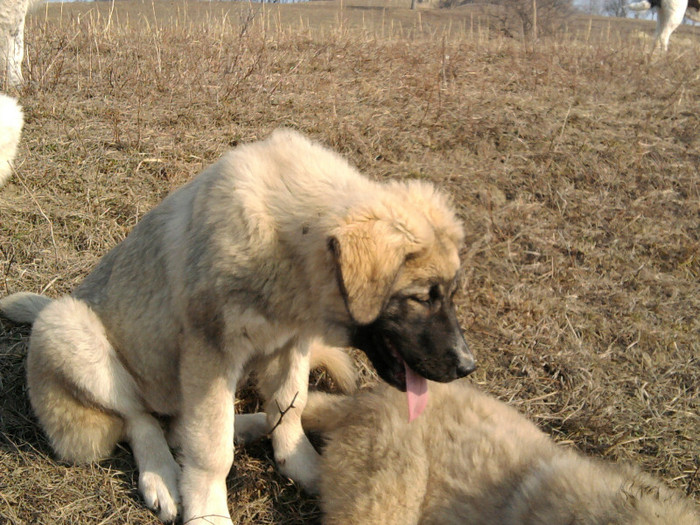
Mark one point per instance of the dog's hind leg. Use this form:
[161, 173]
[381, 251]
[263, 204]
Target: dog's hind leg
[86, 401]
[283, 381]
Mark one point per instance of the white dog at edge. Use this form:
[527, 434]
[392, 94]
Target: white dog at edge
[670, 16]
[11, 121]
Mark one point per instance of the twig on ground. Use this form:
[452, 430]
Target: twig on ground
[282, 413]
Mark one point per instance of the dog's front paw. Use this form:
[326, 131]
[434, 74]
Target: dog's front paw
[301, 466]
[160, 492]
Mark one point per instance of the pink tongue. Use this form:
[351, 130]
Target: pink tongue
[417, 391]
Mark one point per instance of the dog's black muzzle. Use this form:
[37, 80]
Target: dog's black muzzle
[442, 355]
[430, 342]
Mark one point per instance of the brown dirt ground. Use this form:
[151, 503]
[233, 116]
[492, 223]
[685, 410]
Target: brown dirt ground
[574, 163]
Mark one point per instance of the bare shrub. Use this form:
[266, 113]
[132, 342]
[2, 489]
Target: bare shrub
[524, 17]
[615, 8]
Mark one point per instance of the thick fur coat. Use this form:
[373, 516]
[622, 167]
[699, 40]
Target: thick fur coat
[278, 243]
[469, 459]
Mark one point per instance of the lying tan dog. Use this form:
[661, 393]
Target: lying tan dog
[468, 459]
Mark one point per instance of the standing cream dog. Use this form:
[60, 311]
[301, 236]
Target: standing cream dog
[277, 243]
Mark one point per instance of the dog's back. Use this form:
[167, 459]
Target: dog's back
[468, 459]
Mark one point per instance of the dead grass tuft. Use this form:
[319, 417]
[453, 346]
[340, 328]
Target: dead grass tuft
[573, 162]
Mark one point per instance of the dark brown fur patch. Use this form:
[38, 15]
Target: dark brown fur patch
[205, 316]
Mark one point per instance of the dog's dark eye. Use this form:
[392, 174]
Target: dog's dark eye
[420, 299]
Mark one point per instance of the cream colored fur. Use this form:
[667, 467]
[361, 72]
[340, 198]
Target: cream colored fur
[337, 363]
[230, 274]
[469, 459]
[11, 122]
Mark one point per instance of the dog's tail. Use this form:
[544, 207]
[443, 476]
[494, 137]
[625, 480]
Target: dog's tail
[23, 307]
[337, 363]
[644, 5]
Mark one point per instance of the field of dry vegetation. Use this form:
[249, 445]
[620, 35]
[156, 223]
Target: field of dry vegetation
[574, 162]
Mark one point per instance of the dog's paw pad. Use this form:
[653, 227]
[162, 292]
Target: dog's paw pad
[160, 495]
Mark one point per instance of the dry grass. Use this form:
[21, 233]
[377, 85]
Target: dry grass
[573, 162]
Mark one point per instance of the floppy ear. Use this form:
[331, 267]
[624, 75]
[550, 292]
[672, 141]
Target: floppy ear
[368, 256]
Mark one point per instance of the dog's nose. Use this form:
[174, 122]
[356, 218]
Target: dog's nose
[466, 363]
[466, 366]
